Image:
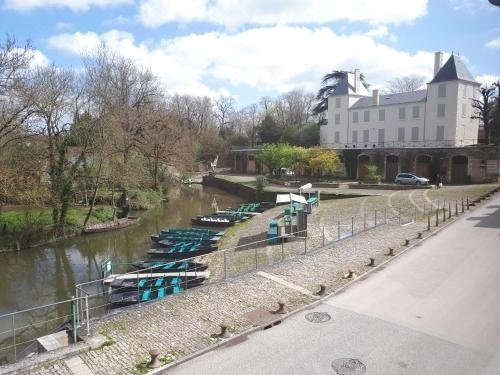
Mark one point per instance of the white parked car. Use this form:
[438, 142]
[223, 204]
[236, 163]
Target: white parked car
[410, 179]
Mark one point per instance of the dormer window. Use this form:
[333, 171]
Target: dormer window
[442, 90]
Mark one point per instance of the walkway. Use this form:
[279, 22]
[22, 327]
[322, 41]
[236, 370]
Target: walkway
[433, 310]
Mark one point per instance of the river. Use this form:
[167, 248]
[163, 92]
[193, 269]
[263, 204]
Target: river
[47, 274]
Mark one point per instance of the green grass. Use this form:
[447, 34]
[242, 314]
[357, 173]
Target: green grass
[144, 200]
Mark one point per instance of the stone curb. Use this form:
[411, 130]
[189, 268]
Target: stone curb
[234, 339]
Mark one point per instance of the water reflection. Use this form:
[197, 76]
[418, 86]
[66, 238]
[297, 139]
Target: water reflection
[48, 274]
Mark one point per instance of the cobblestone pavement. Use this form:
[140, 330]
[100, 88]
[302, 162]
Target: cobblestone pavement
[183, 324]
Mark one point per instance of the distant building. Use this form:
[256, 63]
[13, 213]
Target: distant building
[428, 132]
[439, 116]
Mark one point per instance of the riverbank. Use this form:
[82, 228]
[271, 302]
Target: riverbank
[184, 324]
[32, 226]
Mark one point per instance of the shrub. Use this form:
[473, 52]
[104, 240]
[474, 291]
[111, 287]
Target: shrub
[372, 176]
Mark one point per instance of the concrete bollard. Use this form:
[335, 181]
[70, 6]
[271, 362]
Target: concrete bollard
[390, 253]
[224, 333]
[321, 291]
[407, 242]
[154, 362]
[372, 262]
[281, 308]
[419, 235]
[348, 275]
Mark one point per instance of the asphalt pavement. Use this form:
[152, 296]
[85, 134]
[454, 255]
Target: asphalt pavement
[433, 310]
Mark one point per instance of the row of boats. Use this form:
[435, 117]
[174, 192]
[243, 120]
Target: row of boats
[168, 269]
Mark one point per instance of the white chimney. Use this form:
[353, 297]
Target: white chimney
[375, 97]
[357, 80]
[438, 62]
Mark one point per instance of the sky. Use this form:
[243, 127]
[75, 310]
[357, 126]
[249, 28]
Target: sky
[248, 49]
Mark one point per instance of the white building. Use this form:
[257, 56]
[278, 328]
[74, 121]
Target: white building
[439, 116]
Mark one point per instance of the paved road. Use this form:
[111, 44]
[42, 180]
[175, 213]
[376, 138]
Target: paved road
[434, 310]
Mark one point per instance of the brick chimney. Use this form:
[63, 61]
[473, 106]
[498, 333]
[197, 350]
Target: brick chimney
[357, 79]
[375, 97]
[438, 62]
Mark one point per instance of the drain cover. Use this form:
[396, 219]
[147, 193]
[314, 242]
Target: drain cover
[318, 317]
[348, 366]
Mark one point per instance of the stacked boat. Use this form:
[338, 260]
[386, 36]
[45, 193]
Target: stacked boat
[167, 271]
[219, 219]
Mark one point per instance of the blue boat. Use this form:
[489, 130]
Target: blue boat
[168, 266]
[132, 297]
[181, 251]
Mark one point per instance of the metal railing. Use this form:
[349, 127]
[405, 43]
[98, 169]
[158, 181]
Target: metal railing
[19, 330]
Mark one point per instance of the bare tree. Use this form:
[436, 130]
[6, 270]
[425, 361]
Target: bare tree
[224, 110]
[404, 84]
[483, 110]
[15, 103]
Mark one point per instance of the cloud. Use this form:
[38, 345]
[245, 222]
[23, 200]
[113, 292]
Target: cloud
[39, 60]
[277, 59]
[487, 79]
[153, 13]
[74, 5]
[493, 44]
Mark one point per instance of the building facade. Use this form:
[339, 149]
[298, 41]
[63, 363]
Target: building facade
[439, 116]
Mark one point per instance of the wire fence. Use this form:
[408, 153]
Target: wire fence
[20, 330]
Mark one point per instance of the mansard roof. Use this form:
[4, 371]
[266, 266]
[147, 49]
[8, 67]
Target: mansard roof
[453, 70]
[389, 99]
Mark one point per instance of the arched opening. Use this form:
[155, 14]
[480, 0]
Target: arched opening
[363, 161]
[391, 167]
[423, 166]
[459, 169]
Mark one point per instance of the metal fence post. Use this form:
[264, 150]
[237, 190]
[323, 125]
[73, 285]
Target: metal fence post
[424, 209]
[449, 209]
[282, 249]
[429, 222]
[14, 335]
[385, 214]
[399, 210]
[468, 207]
[305, 245]
[256, 261]
[375, 220]
[444, 214]
[88, 313]
[437, 218]
[462, 204]
[323, 236]
[77, 295]
[225, 266]
[364, 221]
[352, 226]
[338, 232]
[138, 290]
[456, 208]
[73, 318]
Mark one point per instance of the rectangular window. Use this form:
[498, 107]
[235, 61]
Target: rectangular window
[416, 111]
[440, 110]
[402, 113]
[337, 137]
[381, 136]
[464, 109]
[337, 102]
[366, 116]
[401, 134]
[464, 92]
[355, 117]
[414, 133]
[337, 119]
[474, 93]
[366, 135]
[442, 90]
[381, 114]
[440, 133]
[354, 136]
